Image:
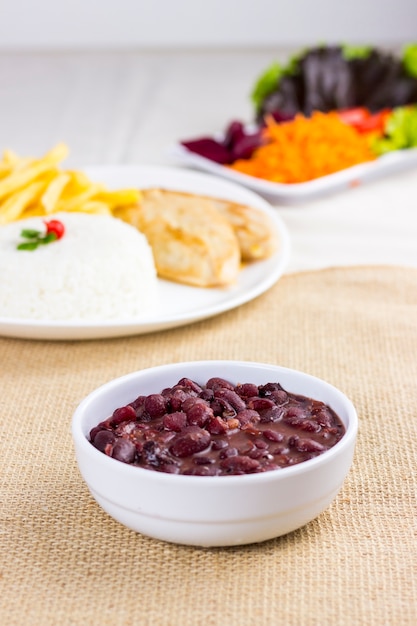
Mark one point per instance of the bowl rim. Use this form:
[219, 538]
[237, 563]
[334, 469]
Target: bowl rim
[84, 446]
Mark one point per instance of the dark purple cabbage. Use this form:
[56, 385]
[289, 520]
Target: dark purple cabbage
[325, 80]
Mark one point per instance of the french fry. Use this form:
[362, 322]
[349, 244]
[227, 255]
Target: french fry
[38, 187]
[30, 169]
[73, 203]
[4, 170]
[57, 154]
[94, 206]
[14, 206]
[34, 210]
[20, 179]
[10, 157]
[120, 198]
[22, 164]
[14, 163]
[53, 192]
[78, 181]
[11, 162]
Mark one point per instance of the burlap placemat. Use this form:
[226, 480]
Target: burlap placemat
[65, 562]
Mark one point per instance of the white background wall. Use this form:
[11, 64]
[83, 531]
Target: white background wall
[64, 24]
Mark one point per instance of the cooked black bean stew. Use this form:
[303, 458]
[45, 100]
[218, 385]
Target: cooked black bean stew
[218, 429]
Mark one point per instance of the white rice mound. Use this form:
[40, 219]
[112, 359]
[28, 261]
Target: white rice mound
[101, 269]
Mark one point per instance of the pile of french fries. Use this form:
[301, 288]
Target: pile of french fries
[37, 187]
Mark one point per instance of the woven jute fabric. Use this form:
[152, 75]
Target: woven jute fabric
[66, 562]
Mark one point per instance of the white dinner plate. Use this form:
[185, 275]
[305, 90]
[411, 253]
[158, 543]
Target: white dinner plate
[288, 194]
[179, 304]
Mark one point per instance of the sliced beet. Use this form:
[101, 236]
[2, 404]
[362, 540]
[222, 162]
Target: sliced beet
[209, 148]
[235, 131]
[244, 148]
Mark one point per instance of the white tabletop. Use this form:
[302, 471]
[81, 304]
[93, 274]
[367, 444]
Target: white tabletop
[129, 107]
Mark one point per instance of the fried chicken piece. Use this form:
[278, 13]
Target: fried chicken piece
[256, 234]
[192, 242]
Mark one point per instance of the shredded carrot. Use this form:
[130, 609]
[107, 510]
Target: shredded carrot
[306, 148]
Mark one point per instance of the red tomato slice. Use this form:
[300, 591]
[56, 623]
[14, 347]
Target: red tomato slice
[56, 227]
[354, 116]
[364, 121]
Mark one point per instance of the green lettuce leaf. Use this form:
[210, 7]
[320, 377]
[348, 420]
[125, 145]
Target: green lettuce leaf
[400, 131]
[356, 52]
[266, 83]
[410, 59]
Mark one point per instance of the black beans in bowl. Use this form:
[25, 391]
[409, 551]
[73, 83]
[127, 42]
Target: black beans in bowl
[218, 428]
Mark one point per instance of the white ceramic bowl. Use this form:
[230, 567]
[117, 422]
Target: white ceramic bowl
[212, 510]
